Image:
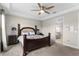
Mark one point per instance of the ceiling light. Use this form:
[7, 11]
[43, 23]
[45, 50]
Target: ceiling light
[42, 11]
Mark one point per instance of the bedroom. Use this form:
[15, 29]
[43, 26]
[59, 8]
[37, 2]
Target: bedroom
[61, 21]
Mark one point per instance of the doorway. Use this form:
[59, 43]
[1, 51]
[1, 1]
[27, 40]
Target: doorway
[59, 30]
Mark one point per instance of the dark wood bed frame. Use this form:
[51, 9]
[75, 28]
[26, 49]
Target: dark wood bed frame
[32, 44]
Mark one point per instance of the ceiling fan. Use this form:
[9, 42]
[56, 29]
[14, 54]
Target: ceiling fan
[43, 9]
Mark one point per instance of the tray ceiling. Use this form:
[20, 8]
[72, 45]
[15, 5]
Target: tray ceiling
[25, 9]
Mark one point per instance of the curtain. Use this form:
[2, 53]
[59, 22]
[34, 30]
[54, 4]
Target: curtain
[4, 41]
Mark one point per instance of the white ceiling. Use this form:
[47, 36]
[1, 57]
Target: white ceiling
[25, 9]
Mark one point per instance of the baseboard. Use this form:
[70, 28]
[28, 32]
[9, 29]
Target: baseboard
[76, 47]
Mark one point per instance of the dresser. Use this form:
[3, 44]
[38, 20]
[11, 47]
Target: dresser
[12, 39]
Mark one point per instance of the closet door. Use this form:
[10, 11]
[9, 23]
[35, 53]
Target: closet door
[70, 29]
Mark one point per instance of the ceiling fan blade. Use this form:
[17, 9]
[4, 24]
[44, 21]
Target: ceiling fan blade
[50, 7]
[39, 5]
[46, 12]
[35, 10]
[43, 7]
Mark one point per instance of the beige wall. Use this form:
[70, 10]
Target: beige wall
[12, 21]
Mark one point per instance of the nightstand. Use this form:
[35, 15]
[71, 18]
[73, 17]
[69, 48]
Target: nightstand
[12, 39]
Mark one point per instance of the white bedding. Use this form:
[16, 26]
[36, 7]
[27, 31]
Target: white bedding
[20, 38]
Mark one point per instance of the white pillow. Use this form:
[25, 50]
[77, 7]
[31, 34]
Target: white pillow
[32, 33]
[25, 33]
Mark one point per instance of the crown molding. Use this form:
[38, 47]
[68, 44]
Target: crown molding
[22, 15]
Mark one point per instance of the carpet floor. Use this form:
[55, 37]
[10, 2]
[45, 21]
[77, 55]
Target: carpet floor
[54, 50]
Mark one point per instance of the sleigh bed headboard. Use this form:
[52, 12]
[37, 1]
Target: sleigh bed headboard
[21, 29]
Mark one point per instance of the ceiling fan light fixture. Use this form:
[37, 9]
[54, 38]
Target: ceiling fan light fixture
[42, 11]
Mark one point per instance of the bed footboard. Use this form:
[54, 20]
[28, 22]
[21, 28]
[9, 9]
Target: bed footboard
[33, 44]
